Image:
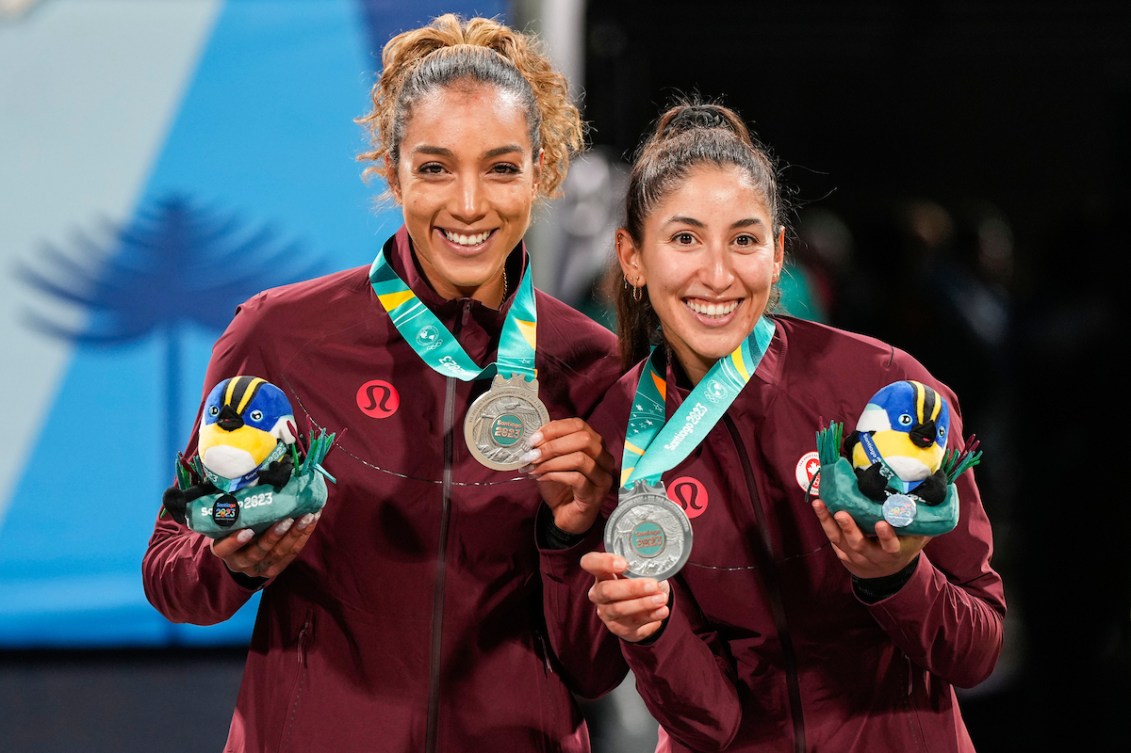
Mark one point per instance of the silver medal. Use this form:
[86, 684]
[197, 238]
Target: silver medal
[501, 421]
[899, 510]
[650, 531]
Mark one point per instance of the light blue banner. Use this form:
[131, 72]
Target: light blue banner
[159, 163]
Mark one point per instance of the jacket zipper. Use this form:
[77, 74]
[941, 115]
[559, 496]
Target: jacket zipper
[441, 561]
[764, 549]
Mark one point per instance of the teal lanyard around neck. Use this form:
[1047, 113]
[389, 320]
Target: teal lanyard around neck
[652, 446]
[438, 348]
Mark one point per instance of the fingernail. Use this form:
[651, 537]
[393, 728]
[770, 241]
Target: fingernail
[284, 526]
[245, 535]
[530, 456]
[660, 599]
[305, 521]
[536, 437]
[649, 587]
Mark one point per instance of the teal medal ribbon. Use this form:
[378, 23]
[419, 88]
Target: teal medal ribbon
[650, 531]
[438, 348]
[653, 446]
[500, 423]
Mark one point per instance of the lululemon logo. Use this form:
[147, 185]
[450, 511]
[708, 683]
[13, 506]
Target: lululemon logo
[690, 494]
[806, 469]
[378, 399]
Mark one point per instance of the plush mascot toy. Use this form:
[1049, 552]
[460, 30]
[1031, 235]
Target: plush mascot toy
[249, 471]
[896, 465]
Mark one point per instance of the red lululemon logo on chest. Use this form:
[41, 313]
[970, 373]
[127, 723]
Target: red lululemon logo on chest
[690, 494]
[378, 399]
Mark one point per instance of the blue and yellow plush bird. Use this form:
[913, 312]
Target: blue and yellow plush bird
[246, 426]
[900, 442]
[250, 469]
[896, 459]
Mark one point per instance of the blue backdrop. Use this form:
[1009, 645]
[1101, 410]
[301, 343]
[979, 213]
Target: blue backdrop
[159, 162]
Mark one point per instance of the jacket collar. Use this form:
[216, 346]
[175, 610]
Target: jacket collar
[769, 370]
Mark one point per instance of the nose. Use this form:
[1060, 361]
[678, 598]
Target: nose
[468, 201]
[718, 273]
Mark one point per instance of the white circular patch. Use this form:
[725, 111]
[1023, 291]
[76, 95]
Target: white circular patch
[807, 467]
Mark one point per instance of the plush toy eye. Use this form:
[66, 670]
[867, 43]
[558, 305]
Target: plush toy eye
[214, 411]
[905, 419]
[942, 432]
[257, 415]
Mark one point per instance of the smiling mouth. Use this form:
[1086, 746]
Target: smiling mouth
[467, 239]
[712, 310]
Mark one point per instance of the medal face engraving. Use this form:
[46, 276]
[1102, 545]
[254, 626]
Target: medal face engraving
[899, 510]
[650, 531]
[501, 421]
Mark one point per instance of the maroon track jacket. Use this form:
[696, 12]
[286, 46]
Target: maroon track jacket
[768, 648]
[413, 620]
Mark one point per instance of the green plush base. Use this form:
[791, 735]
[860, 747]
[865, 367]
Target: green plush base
[257, 507]
[838, 490]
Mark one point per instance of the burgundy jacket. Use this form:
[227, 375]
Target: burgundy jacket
[413, 620]
[768, 648]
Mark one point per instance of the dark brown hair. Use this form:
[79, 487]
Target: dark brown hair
[692, 132]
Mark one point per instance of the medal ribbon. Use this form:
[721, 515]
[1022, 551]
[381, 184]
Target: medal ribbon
[435, 344]
[873, 453]
[652, 446]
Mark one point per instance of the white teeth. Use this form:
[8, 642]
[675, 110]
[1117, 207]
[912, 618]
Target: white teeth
[467, 240]
[712, 309]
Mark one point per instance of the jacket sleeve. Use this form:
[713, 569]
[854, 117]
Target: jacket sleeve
[949, 617]
[181, 577]
[686, 677]
[589, 655]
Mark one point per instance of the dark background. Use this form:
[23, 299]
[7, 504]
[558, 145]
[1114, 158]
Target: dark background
[926, 127]
[910, 124]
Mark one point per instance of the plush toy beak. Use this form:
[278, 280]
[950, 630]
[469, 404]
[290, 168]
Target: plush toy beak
[922, 435]
[229, 420]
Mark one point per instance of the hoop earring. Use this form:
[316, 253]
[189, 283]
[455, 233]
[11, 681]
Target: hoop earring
[637, 293]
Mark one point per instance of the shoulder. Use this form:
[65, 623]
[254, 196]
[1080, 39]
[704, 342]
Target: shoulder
[571, 341]
[319, 300]
[828, 365]
[809, 345]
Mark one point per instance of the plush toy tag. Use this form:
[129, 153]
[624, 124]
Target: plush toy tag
[256, 507]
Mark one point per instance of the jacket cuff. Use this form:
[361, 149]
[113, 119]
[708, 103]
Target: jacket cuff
[871, 590]
[560, 563]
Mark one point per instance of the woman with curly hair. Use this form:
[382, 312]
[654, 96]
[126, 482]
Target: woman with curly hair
[418, 610]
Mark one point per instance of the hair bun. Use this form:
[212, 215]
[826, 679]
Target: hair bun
[692, 117]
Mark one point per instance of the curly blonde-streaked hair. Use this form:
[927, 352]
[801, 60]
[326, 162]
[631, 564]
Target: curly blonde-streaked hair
[450, 50]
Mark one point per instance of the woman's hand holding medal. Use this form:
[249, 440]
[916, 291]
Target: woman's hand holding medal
[633, 609]
[574, 472]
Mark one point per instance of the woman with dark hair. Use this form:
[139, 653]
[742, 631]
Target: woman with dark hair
[766, 623]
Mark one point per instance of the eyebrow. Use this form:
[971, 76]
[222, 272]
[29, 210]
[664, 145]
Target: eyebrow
[747, 222]
[440, 151]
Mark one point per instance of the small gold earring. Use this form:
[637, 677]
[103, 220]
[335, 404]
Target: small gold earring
[637, 293]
